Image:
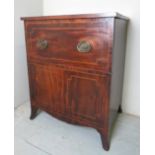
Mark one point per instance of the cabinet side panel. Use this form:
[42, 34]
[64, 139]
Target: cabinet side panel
[118, 59]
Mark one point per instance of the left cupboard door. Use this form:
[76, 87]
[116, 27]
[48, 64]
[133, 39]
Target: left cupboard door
[47, 87]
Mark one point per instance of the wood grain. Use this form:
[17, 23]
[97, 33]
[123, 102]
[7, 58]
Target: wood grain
[79, 88]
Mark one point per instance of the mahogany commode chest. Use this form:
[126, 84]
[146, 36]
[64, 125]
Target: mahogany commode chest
[75, 68]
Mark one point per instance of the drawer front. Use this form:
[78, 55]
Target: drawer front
[90, 46]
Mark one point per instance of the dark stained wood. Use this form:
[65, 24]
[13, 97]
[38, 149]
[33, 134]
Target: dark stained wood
[120, 109]
[79, 16]
[34, 112]
[55, 33]
[79, 88]
[118, 60]
[58, 50]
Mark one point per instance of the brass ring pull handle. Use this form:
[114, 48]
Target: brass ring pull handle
[84, 46]
[42, 44]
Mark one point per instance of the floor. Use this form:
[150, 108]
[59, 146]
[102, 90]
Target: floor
[46, 135]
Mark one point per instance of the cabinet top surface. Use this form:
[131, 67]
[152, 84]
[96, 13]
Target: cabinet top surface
[79, 16]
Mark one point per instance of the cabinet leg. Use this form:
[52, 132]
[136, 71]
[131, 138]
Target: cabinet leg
[105, 141]
[120, 109]
[34, 111]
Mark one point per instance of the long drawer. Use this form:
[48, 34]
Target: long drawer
[85, 46]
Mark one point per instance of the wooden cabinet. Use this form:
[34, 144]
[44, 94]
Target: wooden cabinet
[75, 66]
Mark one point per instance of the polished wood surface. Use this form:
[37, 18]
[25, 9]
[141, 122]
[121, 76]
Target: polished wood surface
[78, 87]
[79, 16]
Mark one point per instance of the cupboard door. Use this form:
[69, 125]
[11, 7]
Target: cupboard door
[87, 96]
[47, 87]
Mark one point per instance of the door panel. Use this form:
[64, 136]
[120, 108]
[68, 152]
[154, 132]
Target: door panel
[47, 87]
[87, 95]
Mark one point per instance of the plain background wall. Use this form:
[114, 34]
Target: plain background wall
[129, 8]
[22, 8]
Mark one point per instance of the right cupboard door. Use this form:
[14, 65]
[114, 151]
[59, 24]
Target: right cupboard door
[87, 97]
